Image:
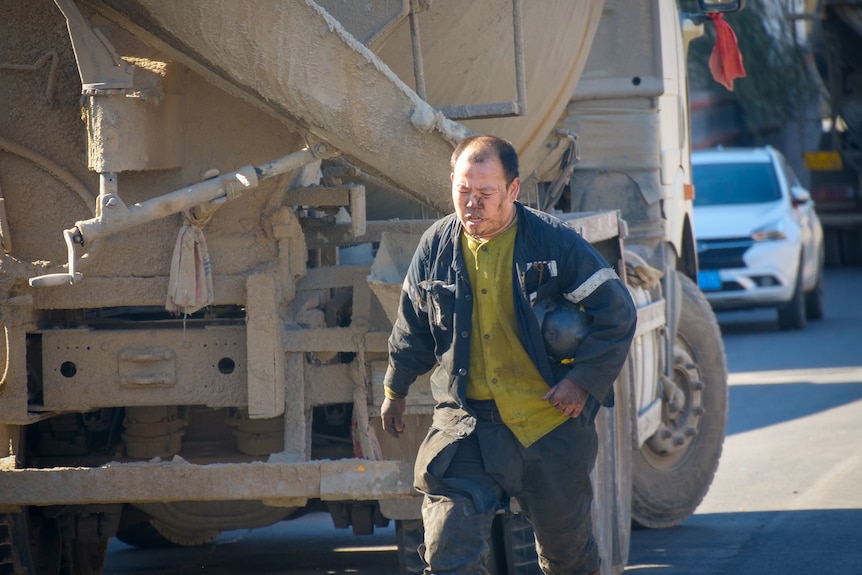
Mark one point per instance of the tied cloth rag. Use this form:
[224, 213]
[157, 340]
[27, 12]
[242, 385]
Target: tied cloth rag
[725, 62]
[191, 286]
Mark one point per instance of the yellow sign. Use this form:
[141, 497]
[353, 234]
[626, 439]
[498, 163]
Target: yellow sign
[823, 161]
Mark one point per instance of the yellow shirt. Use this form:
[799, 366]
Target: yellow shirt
[500, 368]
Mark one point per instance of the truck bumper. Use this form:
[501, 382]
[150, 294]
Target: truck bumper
[274, 483]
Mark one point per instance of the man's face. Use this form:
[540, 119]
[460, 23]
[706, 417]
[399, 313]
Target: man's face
[482, 201]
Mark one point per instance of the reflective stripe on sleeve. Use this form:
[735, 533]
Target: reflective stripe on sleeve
[592, 283]
[413, 294]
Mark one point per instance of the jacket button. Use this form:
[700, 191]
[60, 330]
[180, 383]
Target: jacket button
[462, 371]
[465, 334]
[468, 297]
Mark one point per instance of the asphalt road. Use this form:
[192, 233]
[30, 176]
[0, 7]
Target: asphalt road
[787, 498]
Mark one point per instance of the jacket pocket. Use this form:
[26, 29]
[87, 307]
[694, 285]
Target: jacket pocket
[538, 279]
[441, 302]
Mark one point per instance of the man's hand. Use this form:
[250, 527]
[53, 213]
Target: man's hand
[391, 413]
[568, 397]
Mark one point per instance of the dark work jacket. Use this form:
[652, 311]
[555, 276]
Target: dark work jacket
[436, 310]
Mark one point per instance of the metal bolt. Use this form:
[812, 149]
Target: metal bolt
[678, 441]
[698, 410]
[690, 432]
[111, 202]
[673, 406]
[697, 385]
[665, 434]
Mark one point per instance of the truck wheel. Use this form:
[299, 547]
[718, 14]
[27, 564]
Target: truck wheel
[29, 543]
[513, 546]
[673, 469]
[143, 535]
[83, 558]
[409, 534]
[153, 534]
[792, 314]
[507, 530]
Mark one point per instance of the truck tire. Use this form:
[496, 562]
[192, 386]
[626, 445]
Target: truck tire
[154, 534]
[83, 558]
[143, 536]
[673, 469]
[409, 534]
[513, 546]
[507, 532]
[29, 543]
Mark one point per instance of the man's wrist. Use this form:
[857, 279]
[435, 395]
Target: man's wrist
[390, 393]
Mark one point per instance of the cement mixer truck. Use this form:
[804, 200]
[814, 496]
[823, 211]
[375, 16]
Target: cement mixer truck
[206, 210]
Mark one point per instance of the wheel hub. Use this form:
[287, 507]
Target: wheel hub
[682, 409]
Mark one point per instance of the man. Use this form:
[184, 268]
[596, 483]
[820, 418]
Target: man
[509, 420]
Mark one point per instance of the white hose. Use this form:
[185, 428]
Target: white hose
[6, 366]
[54, 169]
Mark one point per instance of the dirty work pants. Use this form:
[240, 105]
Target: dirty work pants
[466, 482]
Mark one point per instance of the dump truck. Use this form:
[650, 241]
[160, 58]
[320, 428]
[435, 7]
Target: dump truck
[206, 211]
[836, 166]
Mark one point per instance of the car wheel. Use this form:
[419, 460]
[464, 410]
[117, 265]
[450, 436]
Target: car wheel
[792, 314]
[814, 299]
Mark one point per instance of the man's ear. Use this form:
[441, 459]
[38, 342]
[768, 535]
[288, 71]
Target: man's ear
[514, 189]
[451, 176]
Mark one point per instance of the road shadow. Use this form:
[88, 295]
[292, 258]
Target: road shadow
[760, 345]
[304, 546]
[809, 542]
[758, 406]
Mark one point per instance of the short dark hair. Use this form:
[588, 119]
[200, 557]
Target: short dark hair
[479, 146]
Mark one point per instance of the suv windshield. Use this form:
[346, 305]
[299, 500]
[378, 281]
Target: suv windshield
[726, 184]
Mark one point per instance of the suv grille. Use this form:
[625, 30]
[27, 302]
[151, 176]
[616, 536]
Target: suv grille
[722, 254]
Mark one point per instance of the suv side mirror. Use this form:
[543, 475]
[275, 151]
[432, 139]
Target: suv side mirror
[799, 196]
[721, 5]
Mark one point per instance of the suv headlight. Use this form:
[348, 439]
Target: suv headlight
[770, 232]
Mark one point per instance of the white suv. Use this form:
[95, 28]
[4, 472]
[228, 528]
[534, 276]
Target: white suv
[759, 240]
